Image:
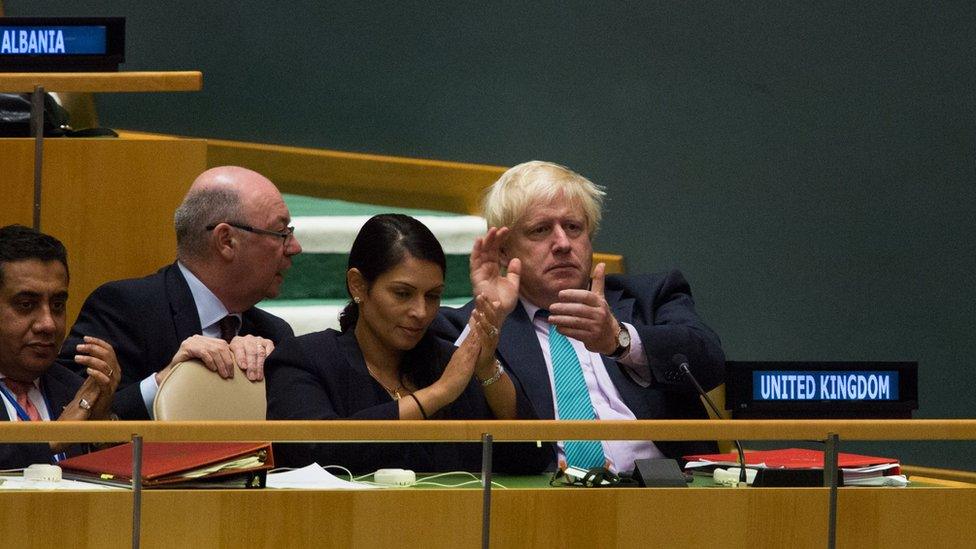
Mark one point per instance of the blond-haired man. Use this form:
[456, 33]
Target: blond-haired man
[583, 345]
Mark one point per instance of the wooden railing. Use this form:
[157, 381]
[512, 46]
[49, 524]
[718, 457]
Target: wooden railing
[345, 430]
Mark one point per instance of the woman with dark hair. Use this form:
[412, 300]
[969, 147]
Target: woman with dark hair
[384, 364]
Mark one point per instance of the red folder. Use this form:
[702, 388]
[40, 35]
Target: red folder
[794, 458]
[170, 462]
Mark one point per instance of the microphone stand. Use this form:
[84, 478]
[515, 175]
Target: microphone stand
[683, 366]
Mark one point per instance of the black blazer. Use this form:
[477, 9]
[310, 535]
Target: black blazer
[146, 320]
[59, 386]
[323, 376]
[661, 309]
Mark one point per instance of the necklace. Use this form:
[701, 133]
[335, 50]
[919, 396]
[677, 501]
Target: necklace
[395, 392]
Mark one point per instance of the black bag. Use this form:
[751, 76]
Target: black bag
[15, 110]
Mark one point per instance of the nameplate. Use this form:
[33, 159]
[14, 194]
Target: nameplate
[59, 44]
[82, 40]
[810, 389]
[813, 385]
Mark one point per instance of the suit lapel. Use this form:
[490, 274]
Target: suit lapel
[186, 319]
[359, 385]
[58, 393]
[519, 348]
[622, 308]
[247, 324]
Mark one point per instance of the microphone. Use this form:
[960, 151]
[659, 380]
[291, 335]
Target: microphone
[681, 361]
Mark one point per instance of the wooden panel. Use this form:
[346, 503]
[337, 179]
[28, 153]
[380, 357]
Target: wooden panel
[171, 81]
[110, 201]
[17, 180]
[615, 262]
[556, 517]
[66, 519]
[947, 474]
[924, 517]
[372, 179]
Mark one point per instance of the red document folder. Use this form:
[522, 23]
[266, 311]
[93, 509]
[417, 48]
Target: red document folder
[795, 458]
[171, 462]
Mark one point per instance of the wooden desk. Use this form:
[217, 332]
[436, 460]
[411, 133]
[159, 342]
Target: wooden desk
[543, 517]
[938, 514]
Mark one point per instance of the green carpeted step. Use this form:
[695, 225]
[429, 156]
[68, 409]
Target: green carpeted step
[322, 276]
[314, 290]
[312, 315]
[307, 206]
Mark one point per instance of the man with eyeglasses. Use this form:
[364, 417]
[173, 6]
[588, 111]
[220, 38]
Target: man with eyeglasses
[234, 245]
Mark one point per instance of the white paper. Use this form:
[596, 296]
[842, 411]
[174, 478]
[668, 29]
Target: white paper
[870, 468]
[888, 480]
[18, 483]
[707, 463]
[313, 477]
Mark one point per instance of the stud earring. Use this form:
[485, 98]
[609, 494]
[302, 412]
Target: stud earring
[357, 299]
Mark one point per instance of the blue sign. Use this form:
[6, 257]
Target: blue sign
[61, 40]
[824, 385]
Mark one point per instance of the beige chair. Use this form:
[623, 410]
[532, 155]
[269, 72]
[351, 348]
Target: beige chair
[191, 391]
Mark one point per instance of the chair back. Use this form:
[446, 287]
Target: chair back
[191, 391]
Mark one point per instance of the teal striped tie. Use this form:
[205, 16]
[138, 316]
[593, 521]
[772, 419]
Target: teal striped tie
[573, 400]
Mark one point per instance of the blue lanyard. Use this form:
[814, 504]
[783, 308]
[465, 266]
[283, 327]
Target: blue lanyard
[24, 416]
[21, 413]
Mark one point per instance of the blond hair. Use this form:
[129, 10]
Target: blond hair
[508, 199]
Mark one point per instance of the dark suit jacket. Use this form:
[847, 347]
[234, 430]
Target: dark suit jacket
[661, 309]
[59, 386]
[146, 320]
[323, 376]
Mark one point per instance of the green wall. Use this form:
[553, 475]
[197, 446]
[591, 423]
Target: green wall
[810, 166]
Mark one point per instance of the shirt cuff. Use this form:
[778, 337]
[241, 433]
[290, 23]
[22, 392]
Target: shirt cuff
[463, 336]
[635, 361]
[148, 388]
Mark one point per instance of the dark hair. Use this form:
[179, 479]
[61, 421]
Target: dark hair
[18, 243]
[381, 244]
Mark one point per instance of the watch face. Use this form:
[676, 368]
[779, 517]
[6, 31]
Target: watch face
[623, 337]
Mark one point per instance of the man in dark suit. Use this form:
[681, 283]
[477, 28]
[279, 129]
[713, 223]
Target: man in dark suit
[234, 245]
[582, 345]
[33, 294]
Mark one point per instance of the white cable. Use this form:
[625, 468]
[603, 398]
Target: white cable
[281, 469]
[425, 481]
[348, 472]
[439, 485]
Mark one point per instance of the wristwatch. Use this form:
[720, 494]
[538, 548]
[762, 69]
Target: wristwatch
[623, 342]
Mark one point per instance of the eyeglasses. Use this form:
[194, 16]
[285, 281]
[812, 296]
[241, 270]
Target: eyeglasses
[283, 235]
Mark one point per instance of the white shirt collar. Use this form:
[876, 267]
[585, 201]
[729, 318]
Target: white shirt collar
[209, 308]
[530, 308]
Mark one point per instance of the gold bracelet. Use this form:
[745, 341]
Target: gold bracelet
[498, 375]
